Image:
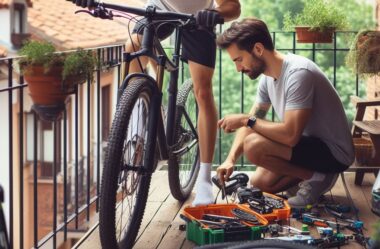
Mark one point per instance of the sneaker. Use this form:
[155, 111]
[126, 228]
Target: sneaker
[292, 191]
[310, 191]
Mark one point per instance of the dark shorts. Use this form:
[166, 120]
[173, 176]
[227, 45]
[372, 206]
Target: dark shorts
[197, 45]
[312, 153]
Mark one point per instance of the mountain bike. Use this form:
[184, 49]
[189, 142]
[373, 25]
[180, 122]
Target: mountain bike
[4, 243]
[138, 138]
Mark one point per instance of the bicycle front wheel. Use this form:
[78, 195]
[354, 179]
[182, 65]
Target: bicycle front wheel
[125, 183]
[184, 157]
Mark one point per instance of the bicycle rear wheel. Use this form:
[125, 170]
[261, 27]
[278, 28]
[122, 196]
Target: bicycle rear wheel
[125, 183]
[184, 157]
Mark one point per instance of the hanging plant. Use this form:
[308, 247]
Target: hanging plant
[364, 55]
[52, 76]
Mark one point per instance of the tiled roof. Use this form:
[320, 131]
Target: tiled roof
[55, 21]
[6, 3]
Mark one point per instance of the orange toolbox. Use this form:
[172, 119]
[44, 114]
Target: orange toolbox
[201, 232]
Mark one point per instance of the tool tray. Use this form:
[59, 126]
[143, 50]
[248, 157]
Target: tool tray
[204, 234]
[277, 214]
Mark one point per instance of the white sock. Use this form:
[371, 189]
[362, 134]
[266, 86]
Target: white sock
[203, 186]
[317, 176]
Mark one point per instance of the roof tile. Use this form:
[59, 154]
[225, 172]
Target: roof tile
[55, 21]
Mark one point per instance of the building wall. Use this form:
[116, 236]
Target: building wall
[5, 20]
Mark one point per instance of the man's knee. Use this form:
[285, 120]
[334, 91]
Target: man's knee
[253, 148]
[261, 182]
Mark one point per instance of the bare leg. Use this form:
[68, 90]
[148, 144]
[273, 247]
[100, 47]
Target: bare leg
[134, 45]
[207, 127]
[271, 182]
[273, 157]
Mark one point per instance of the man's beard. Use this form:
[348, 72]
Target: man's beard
[258, 70]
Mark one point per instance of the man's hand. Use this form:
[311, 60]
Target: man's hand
[208, 18]
[224, 171]
[232, 122]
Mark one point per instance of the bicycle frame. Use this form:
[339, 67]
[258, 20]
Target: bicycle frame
[152, 48]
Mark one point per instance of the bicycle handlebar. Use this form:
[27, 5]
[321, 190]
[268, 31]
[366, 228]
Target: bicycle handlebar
[150, 12]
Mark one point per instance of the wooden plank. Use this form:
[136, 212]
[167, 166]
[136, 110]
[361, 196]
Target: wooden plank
[370, 126]
[360, 202]
[160, 223]
[155, 200]
[160, 226]
[174, 237]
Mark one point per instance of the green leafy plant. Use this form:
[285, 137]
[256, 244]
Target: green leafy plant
[319, 15]
[41, 53]
[364, 57]
[79, 63]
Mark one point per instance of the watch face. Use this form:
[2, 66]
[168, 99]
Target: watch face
[251, 122]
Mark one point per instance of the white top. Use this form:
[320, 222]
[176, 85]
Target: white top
[303, 85]
[182, 6]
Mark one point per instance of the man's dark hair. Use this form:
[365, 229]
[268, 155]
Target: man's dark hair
[245, 34]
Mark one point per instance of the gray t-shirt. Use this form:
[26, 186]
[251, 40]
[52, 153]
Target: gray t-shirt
[182, 6]
[303, 85]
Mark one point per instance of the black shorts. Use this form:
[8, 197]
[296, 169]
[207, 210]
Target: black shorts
[197, 45]
[312, 153]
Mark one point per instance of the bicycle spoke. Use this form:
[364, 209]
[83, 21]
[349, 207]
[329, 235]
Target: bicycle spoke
[133, 154]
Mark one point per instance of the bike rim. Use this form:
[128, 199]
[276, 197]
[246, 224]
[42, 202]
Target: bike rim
[133, 155]
[188, 162]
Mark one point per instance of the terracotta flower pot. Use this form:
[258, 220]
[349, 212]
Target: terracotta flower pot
[304, 35]
[45, 87]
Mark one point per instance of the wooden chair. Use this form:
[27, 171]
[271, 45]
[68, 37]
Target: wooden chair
[372, 129]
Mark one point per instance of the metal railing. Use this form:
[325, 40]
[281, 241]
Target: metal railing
[76, 187]
[85, 189]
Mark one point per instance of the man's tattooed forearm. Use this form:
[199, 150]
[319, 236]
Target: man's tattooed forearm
[260, 113]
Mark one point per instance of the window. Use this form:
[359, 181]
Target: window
[19, 17]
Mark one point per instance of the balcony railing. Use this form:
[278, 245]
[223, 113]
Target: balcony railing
[53, 174]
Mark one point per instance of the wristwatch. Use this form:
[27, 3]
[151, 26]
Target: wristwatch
[251, 122]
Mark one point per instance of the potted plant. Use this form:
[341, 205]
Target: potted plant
[52, 76]
[364, 57]
[317, 22]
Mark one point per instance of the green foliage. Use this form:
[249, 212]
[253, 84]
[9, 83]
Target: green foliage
[41, 53]
[79, 63]
[318, 15]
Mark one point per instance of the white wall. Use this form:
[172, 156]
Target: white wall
[4, 148]
[5, 33]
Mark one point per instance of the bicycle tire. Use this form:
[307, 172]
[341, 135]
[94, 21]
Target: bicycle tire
[181, 177]
[123, 145]
[258, 244]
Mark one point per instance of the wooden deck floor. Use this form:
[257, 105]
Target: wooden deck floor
[160, 226]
